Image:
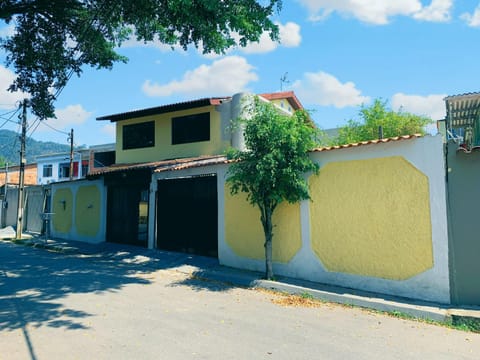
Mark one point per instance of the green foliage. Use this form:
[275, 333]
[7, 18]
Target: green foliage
[306, 295]
[10, 147]
[272, 168]
[394, 123]
[54, 39]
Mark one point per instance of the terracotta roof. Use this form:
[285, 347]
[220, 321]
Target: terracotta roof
[288, 95]
[164, 165]
[369, 142]
[164, 109]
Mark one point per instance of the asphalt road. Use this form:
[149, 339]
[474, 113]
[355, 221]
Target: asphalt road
[55, 306]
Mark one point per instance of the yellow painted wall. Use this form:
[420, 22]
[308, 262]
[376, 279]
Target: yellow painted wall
[372, 217]
[62, 209]
[163, 148]
[87, 210]
[284, 104]
[244, 232]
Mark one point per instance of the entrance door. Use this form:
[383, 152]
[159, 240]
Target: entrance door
[187, 215]
[127, 214]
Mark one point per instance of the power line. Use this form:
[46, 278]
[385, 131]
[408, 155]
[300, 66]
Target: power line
[87, 23]
[57, 130]
[9, 119]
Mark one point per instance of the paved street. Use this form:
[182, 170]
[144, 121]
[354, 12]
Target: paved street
[55, 306]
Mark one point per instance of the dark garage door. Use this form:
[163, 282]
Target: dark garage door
[187, 215]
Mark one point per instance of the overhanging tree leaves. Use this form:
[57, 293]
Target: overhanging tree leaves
[54, 39]
[272, 168]
[393, 123]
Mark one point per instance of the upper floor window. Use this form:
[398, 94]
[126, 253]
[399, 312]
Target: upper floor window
[47, 170]
[140, 135]
[191, 128]
[102, 159]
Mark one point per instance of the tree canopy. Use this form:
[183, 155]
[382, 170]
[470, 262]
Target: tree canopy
[393, 123]
[272, 168]
[54, 39]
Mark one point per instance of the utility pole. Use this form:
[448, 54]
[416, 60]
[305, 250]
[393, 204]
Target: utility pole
[70, 138]
[5, 202]
[21, 176]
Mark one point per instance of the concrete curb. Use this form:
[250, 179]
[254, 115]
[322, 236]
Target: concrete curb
[421, 312]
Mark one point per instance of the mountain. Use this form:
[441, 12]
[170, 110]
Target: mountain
[10, 147]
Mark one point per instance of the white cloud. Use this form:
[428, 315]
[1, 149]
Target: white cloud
[8, 100]
[432, 106]
[379, 12]
[67, 117]
[437, 11]
[326, 90]
[224, 76]
[472, 20]
[289, 36]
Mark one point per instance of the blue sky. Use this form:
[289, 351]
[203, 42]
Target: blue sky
[335, 55]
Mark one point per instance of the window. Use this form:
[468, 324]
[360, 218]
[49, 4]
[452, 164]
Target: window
[64, 170]
[47, 170]
[192, 128]
[102, 159]
[84, 168]
[137, 136]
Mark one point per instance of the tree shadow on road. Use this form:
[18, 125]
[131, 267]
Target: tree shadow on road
[200, 280]
[34, 283]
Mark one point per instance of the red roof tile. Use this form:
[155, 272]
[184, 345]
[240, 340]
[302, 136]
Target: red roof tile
[288, 95]
[369, 142]
[164, 165]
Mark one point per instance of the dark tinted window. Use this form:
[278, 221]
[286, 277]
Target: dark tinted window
[105, 158]
[139, 135]
[192, 128]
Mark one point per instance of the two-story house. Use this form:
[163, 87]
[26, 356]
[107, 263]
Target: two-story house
[148, 209]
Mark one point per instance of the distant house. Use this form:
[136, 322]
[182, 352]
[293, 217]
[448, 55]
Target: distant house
[10, 175]
[56, 167]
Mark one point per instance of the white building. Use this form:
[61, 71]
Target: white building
[56, 167]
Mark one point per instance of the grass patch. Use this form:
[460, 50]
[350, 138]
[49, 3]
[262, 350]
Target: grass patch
[466, 323]
[305, 299]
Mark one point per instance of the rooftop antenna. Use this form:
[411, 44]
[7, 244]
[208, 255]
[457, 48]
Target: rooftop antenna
[283, 80]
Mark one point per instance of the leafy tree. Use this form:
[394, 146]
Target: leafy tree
[54, 39]
[272, 168]
[393, 123]
[2, 162]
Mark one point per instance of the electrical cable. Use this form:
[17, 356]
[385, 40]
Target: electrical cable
[72, 71]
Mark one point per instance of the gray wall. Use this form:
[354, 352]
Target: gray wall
[34, 201]
[463, 184]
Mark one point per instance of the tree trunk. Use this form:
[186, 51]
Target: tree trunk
[267, 228]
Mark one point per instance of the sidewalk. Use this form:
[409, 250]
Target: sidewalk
[210, 269]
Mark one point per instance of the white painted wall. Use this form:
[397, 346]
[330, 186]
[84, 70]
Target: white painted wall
[426, 154]
[73, 234]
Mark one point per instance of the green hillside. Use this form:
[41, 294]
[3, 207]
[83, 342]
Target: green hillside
[10, 147]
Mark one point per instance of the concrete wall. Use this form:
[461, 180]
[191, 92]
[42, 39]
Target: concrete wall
[376, 222]
[463, 202]
[33, 202]
[79, 209]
